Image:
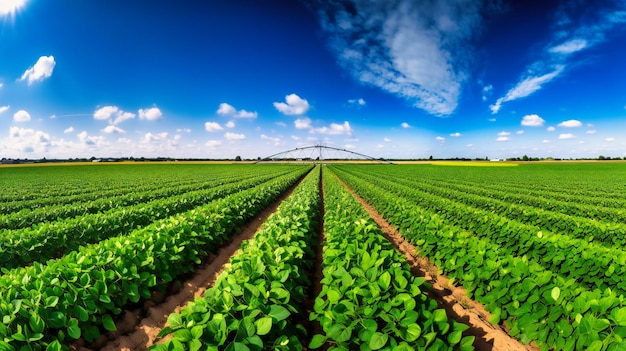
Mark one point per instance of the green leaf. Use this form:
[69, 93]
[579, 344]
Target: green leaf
[317, 341]
[378, 340]
[82, 313]
[36, 323]
[54, 346]
[413, 332]
[556, 292]
[278, 312]
[108, 323]
[618, 315]
[73, 330]
[384, 280]
[440, 316]
[263, 325]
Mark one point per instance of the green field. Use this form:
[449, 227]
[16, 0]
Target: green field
[540, 245]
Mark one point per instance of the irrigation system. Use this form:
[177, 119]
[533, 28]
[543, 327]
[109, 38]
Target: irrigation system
[320, 154]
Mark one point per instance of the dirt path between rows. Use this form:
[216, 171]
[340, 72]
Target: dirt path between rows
[136, 334]
[488, 337]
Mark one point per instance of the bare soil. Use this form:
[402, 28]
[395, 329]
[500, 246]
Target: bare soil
[137, 330]
[454, 299]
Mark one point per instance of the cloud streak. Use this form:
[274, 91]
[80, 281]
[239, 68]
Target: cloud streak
[571, 35]
[412, 49]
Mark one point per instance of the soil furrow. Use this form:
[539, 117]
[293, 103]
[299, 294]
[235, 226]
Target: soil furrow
[452, 298]
[138, 334]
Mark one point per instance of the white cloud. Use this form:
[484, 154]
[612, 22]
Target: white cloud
[213, 143]
[567, 136]
[609, 139]
[336, 129]
[1, 85]
[380, 146]
[503, 138]
[226, 109]
[526, 86]
[230, 124]
[550, 129]
[4, 109]
[29, 141]
[456, 135]
[122, 116]
[569, 46]
[387, 140]
[546, 141]
[295, 105]
[572, 123]
[281, 124]
[154, 138]
[105, 112]
[349, 147]
[150, 114]
[532, 121]
[113, 129]
[68, 130]
[40, 71]
[591, 132]
[469, 145]
[519, 132]
[302, 123]
[88, 140]
[492, 119]
[186, 130]
[416, 50]
[21, 116]
[405, 125]
[359, 102]
[275, 141]
[108, 112]
[440, 138]
[503, 133]
[234, 136]
[212, 126]
[229, 110]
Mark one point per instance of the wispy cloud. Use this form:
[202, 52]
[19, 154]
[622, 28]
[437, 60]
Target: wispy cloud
[234, 136]
[567, 136]
[114, 114]
[357, 102]
[528, 85]
[416, 50]
[574, 31]
[405, 125]
[4, 108]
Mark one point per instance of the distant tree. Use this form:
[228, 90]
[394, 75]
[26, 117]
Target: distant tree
[431, 157]
[524, 158]
[601, 157]
[238, 158]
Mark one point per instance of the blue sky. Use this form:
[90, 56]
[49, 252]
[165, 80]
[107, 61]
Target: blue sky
[393, 79]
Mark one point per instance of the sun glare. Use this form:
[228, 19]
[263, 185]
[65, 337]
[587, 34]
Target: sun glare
[10, 7]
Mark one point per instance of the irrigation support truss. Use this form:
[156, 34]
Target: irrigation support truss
[319, 153]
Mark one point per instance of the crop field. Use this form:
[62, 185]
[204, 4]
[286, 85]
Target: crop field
[536, 249]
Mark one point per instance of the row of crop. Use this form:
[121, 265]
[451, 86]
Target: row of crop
[160, 188]
[257, 302]
[26, 217]
[48, 306]
[593, 266]
[570, 205]
[538, 305]
[369, 299]
[609, 234]
[49, 240]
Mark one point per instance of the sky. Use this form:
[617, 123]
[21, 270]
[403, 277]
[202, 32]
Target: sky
[389, 79]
